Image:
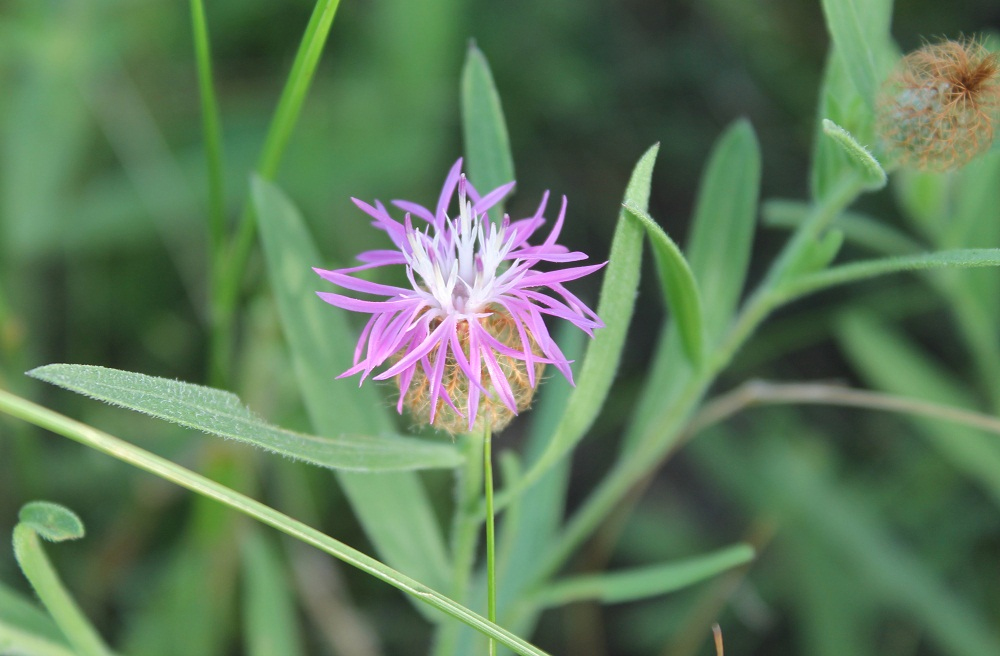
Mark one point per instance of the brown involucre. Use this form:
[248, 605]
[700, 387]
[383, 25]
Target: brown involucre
[936, 110]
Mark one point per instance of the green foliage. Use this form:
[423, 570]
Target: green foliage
[865, 163]
[680, 289]
[109, 254]
[722, 227]
[222, 413]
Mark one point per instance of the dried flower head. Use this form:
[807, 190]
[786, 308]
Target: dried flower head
[936, 110]
[466, 342]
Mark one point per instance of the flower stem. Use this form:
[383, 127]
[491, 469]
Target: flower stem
[491, 573]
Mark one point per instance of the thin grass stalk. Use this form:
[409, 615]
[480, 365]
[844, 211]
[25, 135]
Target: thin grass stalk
[293, 96]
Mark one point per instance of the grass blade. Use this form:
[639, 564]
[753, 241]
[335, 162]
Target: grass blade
[222, 413]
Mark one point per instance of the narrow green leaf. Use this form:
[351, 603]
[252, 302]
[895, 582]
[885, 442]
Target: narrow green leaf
[269, 622]
[27, 629]
[860, 33]
[51, 521]
[679, 287]
[855, 271]
[644, 582]
[621, 280]
[167, 470]
[222, 413]
[322, 343]
[864, 162]
[487, 146]
[723, 225]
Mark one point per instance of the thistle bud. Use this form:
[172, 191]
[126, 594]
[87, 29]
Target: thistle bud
[936, 110]
[520, 376]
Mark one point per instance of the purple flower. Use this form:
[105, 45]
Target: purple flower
[467, 340]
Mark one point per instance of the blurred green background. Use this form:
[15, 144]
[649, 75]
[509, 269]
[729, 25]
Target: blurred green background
[871, 543]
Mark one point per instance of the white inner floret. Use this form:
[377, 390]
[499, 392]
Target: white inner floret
[458, 264]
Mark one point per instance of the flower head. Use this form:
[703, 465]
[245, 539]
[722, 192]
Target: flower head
[466, 342]
[936, 110]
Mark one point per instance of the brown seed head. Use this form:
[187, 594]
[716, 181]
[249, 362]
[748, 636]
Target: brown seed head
[492, 411]
[936, 110]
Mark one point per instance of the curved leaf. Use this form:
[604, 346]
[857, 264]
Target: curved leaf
[51, 521]
[679, 287]
[864, 162]
[222, 413]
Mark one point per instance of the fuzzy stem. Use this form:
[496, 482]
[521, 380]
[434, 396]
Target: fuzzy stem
[491, 578]
[67, 615]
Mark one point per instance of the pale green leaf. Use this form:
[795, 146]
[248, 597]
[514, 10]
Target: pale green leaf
[864, 162]
[222, 413]
[679, 287]
[487, 146]
[723, 226]
[644, 582]
[53, 522]
[393, 507]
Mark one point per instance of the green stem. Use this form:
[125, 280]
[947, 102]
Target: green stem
[211, 125]
[67, 615]
[491, 567]
[464, 537]
[227, 284]
[101, 441]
